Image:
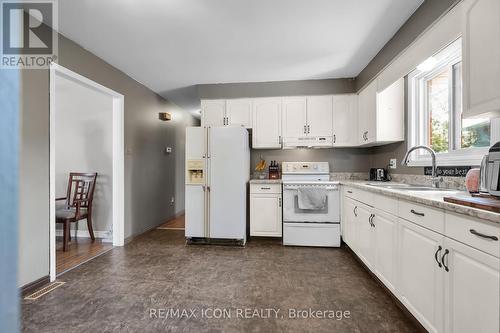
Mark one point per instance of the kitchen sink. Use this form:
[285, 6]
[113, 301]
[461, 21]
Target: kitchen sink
[408, 187]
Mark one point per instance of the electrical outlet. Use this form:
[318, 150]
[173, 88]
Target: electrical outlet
[392, 163]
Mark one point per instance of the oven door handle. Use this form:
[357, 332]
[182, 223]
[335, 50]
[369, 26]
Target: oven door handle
[295, 187]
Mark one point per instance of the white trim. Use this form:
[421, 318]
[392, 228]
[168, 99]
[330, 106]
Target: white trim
[118, 159]
[103, 235]
[418, 115]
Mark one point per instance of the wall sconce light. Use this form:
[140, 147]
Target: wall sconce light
[164, 116]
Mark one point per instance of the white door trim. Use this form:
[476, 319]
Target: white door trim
[118, 159]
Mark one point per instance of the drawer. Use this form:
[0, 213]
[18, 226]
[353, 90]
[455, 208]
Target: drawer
[365, 197]
[265, 188]
[385, 203]
[471, 231]
[425, 216]
[311, 234]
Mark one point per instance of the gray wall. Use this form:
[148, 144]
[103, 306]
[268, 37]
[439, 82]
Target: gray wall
[152, 177]
[271, 89]
[340, 159]
[422, 18]
[84, 124]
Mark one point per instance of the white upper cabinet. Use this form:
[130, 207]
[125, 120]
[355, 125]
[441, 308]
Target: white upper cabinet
[266, 132]
[319, 115]
[481, 57]
[213, 113]
[307, 121]
[390, 113]
[294, 118]
[239, 112]
[381, 115]
[345, 120]
[367, 109]
[233, 112]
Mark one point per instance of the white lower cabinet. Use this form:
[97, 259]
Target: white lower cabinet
[472, 289]
[348, 222]
[385, 230]
[420, 279]
[265, 214]
[366, 235]
[448, 285]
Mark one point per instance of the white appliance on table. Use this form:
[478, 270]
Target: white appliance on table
[310, 227]
[217, 173]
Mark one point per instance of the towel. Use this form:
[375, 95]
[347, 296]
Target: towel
[311, 198]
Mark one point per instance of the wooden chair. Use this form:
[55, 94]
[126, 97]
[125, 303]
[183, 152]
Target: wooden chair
[78, 205]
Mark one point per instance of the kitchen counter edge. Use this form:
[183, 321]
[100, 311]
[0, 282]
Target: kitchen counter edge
[460, 209]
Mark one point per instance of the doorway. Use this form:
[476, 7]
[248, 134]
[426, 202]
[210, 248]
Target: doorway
[86, 136]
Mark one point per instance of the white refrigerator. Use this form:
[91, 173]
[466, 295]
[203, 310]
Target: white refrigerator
[217, 173]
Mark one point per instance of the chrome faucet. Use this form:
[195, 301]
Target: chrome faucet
[435, 179]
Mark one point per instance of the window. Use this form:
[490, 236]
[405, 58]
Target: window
[435, 112]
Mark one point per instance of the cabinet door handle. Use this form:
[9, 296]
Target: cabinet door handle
[355, 211]
[474, 232]
[204, 188]
[208, 188]
[350, 192]
[334, 138]
[417, 213]
[308, 129]
[373, 223]
[279, 202]
[442, 259]
[280, 140]
[437, 254]
[305, 129]
[265, 188]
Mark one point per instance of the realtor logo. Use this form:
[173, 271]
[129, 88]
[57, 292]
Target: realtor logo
[29, 33]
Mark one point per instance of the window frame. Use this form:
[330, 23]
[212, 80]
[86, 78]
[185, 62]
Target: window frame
[418, 116]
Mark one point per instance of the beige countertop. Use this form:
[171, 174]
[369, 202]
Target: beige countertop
[430, 198]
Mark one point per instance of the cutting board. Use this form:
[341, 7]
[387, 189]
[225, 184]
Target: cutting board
[485, 203]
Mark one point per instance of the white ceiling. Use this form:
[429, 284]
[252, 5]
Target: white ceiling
[172, 45]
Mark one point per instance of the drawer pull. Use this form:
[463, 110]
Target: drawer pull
[437, 254]
[417, 213]
[474, 232]
[442, 260]
[265, 188]
[349, 192]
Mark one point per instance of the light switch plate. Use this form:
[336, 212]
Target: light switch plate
[392, 163]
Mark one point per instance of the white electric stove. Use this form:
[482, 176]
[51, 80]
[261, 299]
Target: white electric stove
[310, 227]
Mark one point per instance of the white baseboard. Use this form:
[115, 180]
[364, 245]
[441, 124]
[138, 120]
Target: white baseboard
[106, 236]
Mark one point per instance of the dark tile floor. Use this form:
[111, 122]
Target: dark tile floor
[121, 290]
